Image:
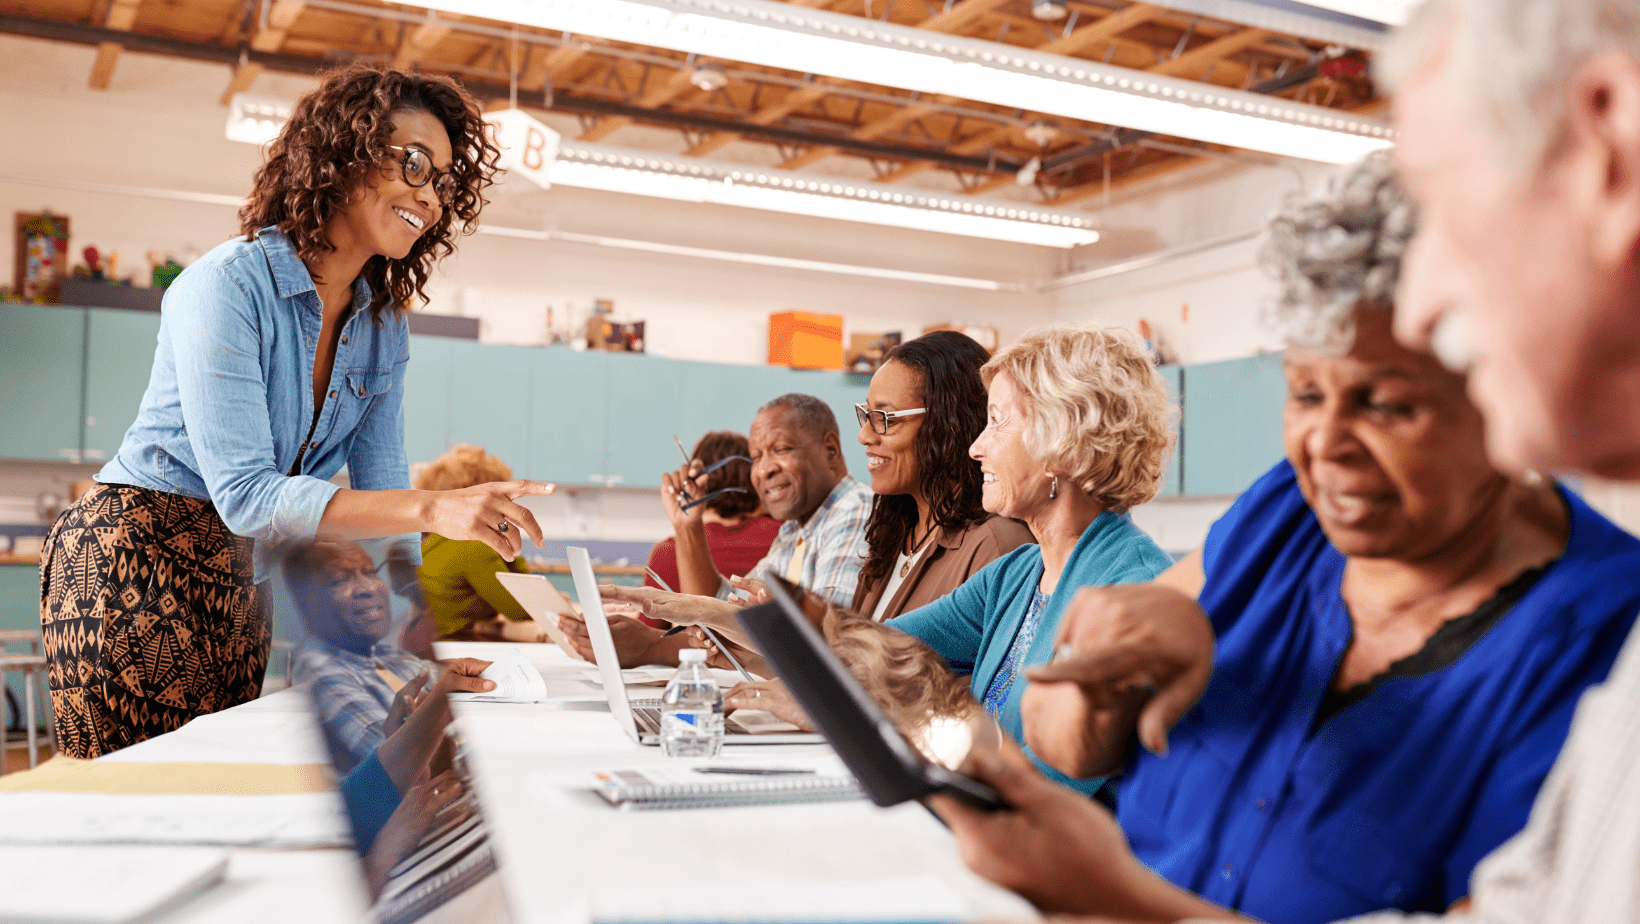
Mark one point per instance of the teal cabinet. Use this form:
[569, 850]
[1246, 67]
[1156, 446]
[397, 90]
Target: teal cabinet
[1232, 423]
[1173, 474]
[841, 391]
[119, 356]
[648, 398]
[41, 374]
[427, 399]
[490, 398]
[568, 421]
[20, 609]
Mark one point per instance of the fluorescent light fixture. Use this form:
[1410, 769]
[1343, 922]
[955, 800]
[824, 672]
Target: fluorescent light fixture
[256, 119]
[687, 179]
[772, 34]
[756, 259]
[1388, 12]
[646, 173]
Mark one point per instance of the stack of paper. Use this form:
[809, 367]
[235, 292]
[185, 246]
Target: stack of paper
[101, 885]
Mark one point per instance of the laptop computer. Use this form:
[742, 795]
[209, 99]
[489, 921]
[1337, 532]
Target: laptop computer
[539, 598]
[640, 719]
[889, 769]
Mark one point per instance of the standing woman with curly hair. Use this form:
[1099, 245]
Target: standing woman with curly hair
[281, 359]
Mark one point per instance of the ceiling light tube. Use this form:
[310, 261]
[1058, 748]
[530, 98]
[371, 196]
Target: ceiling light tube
[773, 34]
[648, 173]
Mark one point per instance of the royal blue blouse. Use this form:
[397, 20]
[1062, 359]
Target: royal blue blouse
[1390, 802]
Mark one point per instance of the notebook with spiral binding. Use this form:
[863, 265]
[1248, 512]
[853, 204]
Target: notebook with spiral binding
[683, 788]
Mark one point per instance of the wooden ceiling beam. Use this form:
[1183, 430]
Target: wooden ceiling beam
[243, 76]
[549, 67]
[656, 97]
[281, 17]
[1103, 31]
[799, 98]
[972, 145]
[122, 15]
[1193, 63]
[960, 15]
[419, 43]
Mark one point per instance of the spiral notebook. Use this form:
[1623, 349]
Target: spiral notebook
[685, 787]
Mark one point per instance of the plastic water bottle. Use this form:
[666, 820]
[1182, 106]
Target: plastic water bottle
[692, 709]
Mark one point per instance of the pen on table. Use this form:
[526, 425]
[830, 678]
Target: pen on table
[754, 771]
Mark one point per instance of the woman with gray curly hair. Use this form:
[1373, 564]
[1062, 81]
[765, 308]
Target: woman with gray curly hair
[1391, 634]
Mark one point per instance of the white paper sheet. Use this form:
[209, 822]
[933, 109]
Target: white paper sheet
[903, 899]
[516, 681]
[298, 820]
[102, 885]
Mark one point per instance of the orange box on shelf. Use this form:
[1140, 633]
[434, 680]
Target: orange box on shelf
[804, 340]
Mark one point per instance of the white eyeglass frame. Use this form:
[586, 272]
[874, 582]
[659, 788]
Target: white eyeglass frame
[868, 417]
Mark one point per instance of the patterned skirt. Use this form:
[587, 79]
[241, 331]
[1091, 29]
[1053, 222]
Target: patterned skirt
[151, 617]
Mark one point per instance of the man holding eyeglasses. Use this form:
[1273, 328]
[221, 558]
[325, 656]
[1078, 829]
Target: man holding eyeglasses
[800, 475]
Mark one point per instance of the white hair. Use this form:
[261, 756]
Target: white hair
[1514, 60]
[1335, 252]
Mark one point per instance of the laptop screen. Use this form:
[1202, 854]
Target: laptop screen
[421, 841]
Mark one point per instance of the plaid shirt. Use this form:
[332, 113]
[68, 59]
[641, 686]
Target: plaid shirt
[834, 544]
[349, 696]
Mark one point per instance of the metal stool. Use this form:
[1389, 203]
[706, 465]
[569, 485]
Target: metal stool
[32, 666]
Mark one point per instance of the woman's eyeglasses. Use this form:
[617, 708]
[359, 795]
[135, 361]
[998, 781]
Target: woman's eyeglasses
[879, 420]
[417, 166]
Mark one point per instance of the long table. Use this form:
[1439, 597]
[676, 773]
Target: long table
[565, 856]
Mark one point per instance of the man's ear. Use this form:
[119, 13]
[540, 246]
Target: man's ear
[1603, 136]
[834, 447]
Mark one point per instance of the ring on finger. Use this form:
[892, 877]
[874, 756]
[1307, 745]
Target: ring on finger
[502, 527]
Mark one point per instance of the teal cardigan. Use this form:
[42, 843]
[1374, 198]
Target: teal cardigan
[973, 626]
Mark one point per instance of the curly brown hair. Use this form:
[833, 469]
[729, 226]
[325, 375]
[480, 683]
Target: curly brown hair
[463, 466]
[718, 445]
[338, 134]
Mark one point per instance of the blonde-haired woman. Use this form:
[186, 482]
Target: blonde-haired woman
[1078, 429]
[458, 577]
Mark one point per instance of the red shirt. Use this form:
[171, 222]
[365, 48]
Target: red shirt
[735, 549]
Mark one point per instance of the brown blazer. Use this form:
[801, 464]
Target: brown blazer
[953, 559]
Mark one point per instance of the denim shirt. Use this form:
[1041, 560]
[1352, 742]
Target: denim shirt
[230, 397]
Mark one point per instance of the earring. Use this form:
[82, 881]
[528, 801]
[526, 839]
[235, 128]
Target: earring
[1053, 491]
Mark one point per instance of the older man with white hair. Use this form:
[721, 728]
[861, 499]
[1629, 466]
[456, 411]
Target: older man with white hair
[1520, 138]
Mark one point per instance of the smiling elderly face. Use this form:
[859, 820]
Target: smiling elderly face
[342, 599]
[1388, 450]
[1542, 266]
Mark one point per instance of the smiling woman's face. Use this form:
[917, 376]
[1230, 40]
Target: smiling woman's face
[386, 215]
[1388, 450]
[1014, 484]
[891, 457]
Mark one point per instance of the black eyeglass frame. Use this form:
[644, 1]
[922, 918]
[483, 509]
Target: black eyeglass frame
[446, 191]
[689, 503]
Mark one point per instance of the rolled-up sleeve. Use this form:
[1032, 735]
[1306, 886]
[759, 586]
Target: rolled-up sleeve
[224, 397]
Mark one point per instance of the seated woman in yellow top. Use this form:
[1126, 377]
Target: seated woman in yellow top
[458, 577]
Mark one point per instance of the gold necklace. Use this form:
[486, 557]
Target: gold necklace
[905, 569]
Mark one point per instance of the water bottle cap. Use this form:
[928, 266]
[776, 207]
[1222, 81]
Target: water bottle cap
[692, 656]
